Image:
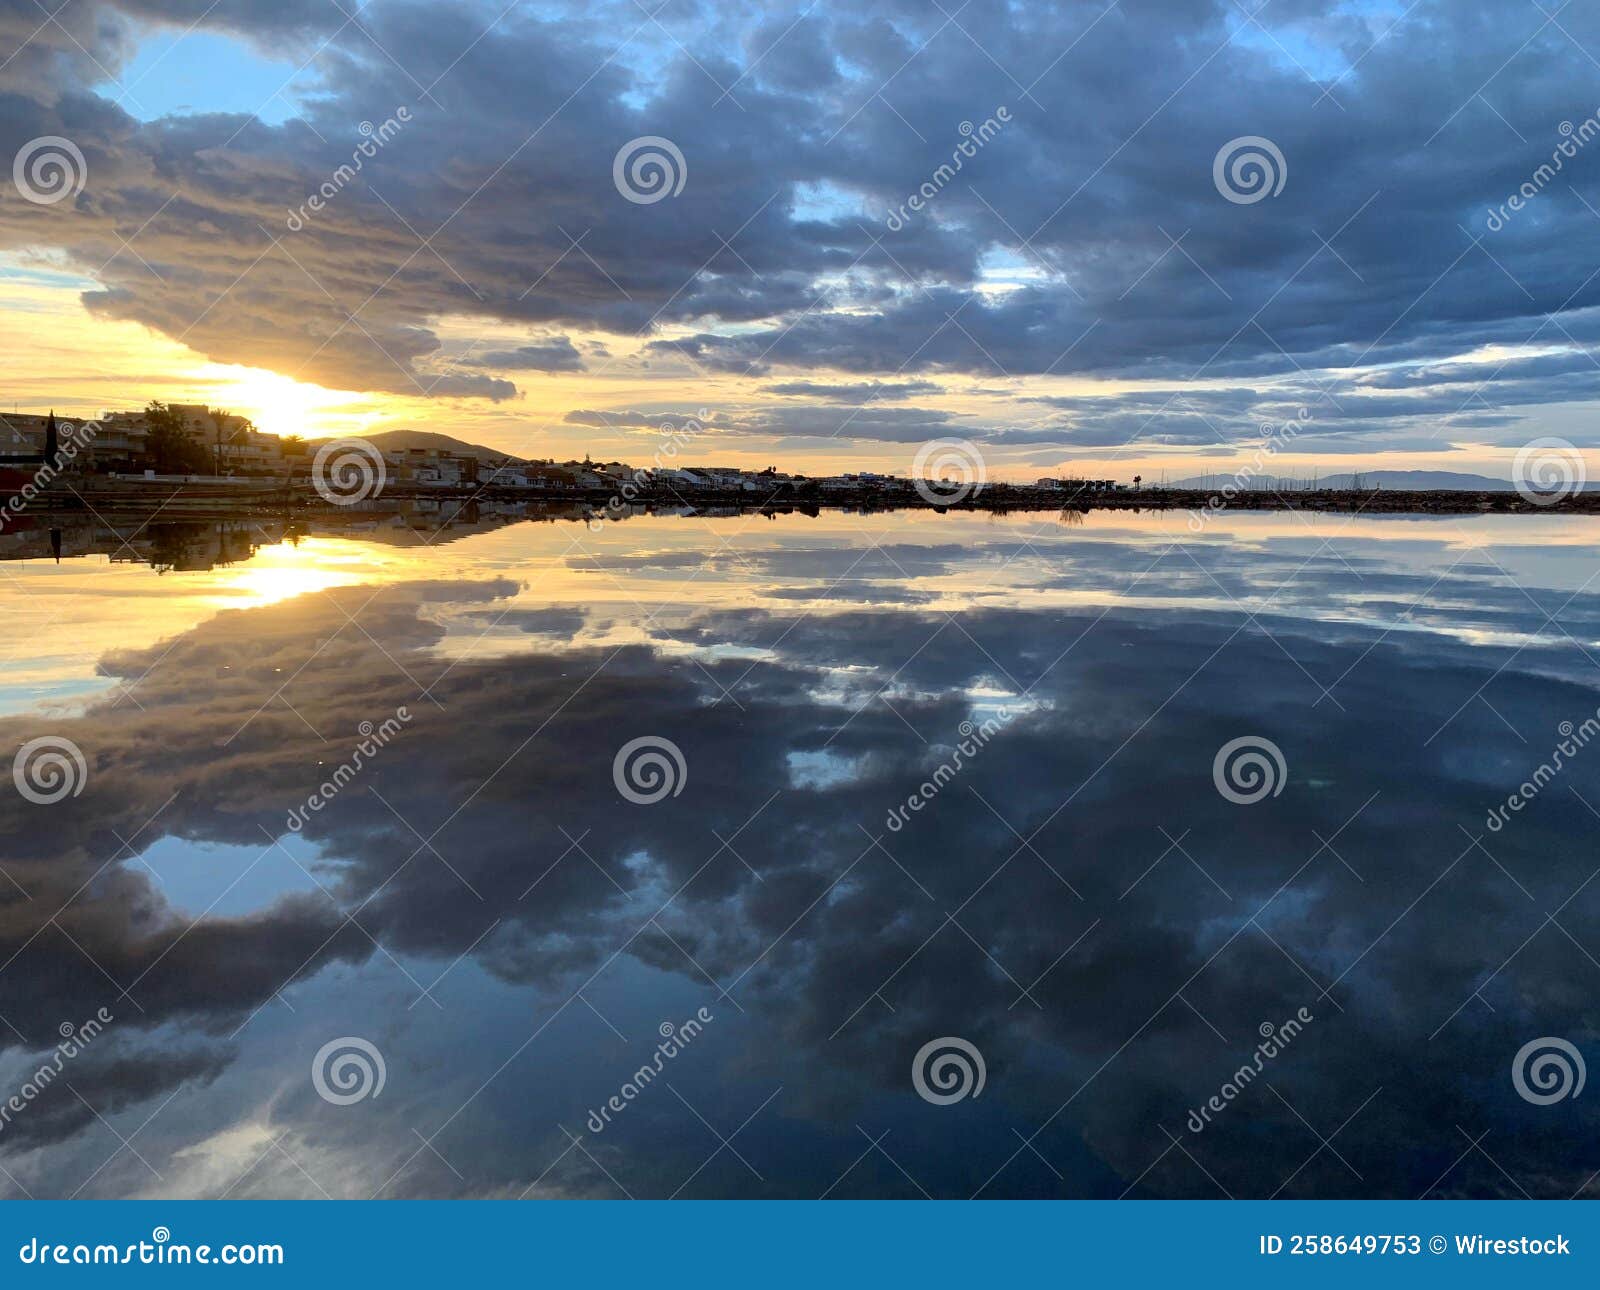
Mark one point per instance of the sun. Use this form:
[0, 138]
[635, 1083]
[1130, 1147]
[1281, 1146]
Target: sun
[282, 405]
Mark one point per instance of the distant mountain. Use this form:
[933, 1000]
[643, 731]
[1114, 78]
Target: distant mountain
[1401, 480]
[405, 440]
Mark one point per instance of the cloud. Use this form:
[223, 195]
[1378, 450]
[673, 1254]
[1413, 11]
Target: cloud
[559, 355]
[495, 201]
[858, 392]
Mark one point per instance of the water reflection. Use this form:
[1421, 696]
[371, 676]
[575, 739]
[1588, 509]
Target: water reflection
[479, 902]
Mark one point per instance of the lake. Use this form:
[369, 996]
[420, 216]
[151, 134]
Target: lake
[841, 855]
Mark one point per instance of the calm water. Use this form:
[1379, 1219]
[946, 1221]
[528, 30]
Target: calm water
[482, 905]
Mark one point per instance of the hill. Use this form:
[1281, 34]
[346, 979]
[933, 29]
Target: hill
[404, 440]
[1403, 480]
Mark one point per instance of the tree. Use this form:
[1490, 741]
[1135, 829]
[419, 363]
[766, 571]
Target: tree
[168, 445]
[239, 434]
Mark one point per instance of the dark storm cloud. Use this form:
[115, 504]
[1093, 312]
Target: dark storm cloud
[858, 392]
[559, 355]
[496, 202]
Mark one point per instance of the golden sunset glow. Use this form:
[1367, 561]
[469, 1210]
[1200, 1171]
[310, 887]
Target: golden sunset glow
[45, 328]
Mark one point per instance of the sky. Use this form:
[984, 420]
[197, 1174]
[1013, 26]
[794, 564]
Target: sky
[1104, 237]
